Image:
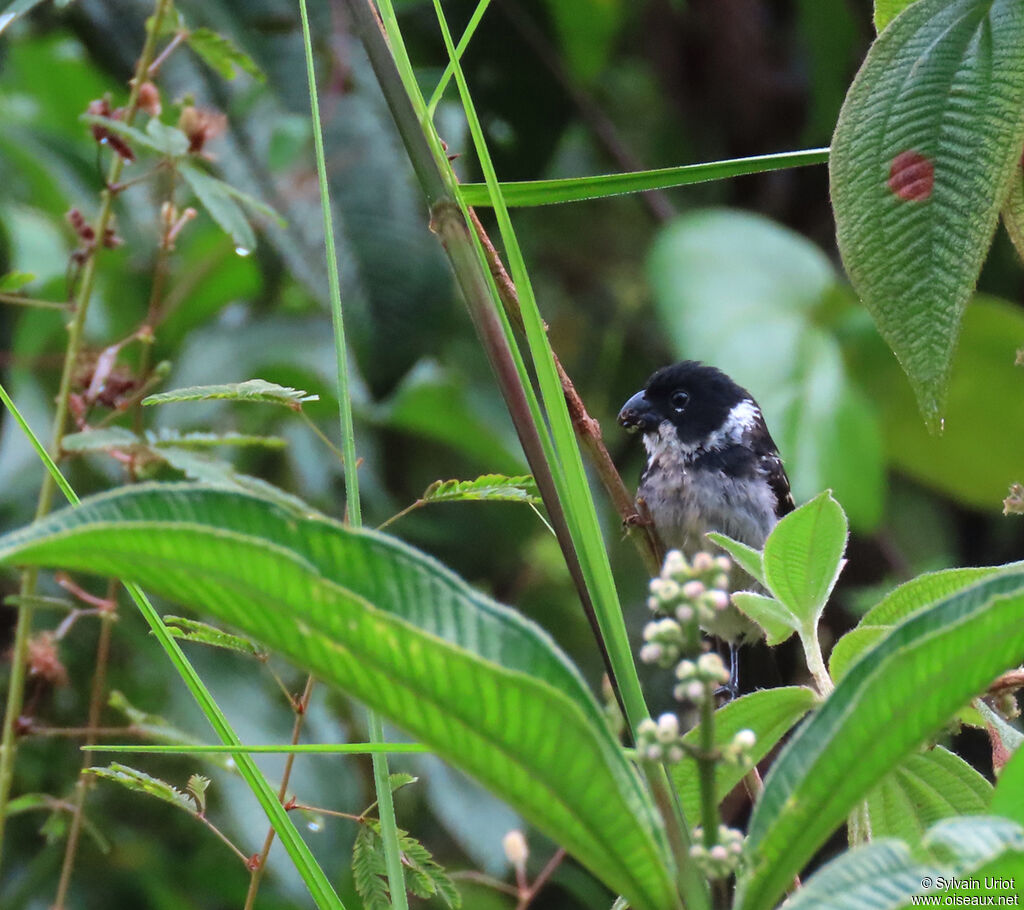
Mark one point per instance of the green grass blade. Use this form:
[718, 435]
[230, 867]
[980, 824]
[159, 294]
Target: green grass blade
[897, 695]
[381, 777]
[319, 887]
[485, 689]
[578, 189]
[271, 749]
[449, 70]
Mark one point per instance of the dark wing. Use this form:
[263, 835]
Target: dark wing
[771, 465]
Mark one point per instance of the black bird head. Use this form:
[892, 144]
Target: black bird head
[694, 398]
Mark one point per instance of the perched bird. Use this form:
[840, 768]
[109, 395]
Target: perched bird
[712, 466]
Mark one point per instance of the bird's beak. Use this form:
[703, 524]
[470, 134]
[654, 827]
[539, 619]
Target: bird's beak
[637, 414]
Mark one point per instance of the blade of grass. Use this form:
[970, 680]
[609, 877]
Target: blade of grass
[381, 775]
[316, 881]
[467, 35]
[603, 186]
[271, 749]
[574, 491]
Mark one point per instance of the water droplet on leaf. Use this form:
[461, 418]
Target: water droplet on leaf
[242, 251]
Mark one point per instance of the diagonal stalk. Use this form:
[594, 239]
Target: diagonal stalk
[353, 510]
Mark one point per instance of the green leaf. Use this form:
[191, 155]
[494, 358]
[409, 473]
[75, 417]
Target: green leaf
[196, 788]
[158, 137]
[848, 650]
[493, 487]
[975, 459]
[926, 589]
[368, 869]
[770, 713]
[197, 440]
[205, 634]
[482, 686]
[747, 558]
[222, 54]
[885, 875]
[141, 782]
[754, 299]
[213, 195]
[15, 281]
[887, 10]
[924, 151]
[924, 789]
[250, 390]
[778, 623]
[888, 703]
[100, 440]
[803, 557]
[1008, 797]
[603, 186]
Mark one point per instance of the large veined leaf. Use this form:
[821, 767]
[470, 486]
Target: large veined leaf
[486, 689]
[887, 876]
[922, 790]
[899, 693]
[923, 154]
[770, 713]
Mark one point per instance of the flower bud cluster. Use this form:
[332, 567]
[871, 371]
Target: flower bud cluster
[723, 858]
[699, 678]
[688, 590]
[660, 740]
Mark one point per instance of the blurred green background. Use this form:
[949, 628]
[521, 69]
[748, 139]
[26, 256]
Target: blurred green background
[743, 274]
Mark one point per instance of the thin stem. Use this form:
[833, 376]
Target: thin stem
[541, 880]
[409, 508]
[266, 749]
[706, 768]
[96, 701]
[165, 53]
[323, 437]
[858, 825]
[815, 662]
[282, 793]
[334, 813]
[23, 631]
[32, 301]
[449, 70]
[353, 510]
[247, 862]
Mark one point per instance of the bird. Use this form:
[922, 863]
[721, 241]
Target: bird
[712, 465]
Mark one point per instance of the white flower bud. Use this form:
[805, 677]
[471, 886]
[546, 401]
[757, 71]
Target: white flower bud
[668, 728]
[651, 653]
[711, 667]
[685, 669]
[675, 564]
[653, 604]
[720, 581]
[693, 589]
[702, 562]
[684, 613]
[718, 853]
[695, 692]
[696, 851]
[650, 631]
[646, 727]
[736, 847]
[653, 752]
[716, 599]
[723, 562]
[675, 754]
[744, 739]
[516, 849]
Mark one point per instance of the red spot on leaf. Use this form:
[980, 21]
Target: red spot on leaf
[911, 176]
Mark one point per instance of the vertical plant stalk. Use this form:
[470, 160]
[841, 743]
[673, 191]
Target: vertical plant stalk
[815, 662]
[96, 701]
[23, 631]
[706, 762]
[282, 794]
[353, 510]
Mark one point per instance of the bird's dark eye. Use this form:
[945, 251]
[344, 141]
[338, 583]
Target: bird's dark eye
[680, 400]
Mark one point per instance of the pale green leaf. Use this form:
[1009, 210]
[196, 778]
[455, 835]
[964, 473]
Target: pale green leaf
[250, 390]
[221, 206]
[804, 555]
[140, 782]
[887, 10]
[222, 54]
[15, 281]
[494, 487]
[100, 440]
[848, 650]
[776, 621]
[196, 788]
[203, 633]
[747, 558]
